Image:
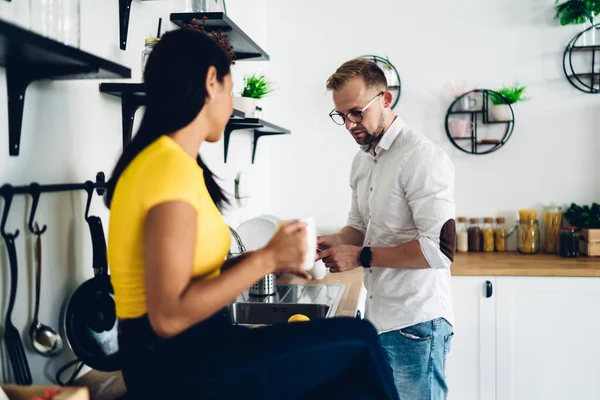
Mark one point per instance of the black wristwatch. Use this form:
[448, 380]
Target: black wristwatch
[365, 257]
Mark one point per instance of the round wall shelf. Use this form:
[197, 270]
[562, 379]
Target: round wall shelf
[581, 60]
[470, 111]
[392, 75]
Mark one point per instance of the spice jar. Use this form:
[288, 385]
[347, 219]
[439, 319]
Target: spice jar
[569, 241]
[528, 236]
[462, 237]
[150, 43]
[552, 222]
[475, 235]
[500, 235]
[488, 235]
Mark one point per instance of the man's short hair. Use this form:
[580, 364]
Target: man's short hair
[371, 74]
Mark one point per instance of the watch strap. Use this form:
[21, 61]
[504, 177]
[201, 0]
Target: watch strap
[365, 257]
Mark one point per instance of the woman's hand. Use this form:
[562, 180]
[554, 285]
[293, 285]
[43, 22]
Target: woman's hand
[288, 249]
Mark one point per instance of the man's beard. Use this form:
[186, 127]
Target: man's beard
[366, 137]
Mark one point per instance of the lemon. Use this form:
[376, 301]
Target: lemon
[298, 318]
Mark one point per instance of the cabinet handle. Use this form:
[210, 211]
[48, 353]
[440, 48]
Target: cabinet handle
[488, 289]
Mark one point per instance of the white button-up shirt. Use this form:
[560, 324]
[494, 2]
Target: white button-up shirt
[405, 192]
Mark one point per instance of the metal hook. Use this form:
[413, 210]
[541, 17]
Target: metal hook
[89, 188]
[7, 192]
[35, 195]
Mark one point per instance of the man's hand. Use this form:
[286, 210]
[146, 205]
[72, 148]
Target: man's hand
[341, 258]
[328, 241]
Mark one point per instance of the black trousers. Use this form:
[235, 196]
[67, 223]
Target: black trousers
[328, 359]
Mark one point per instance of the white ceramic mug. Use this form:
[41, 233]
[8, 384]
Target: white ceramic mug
[311, 241]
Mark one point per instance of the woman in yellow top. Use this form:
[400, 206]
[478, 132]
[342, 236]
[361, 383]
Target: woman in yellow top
[167, 244]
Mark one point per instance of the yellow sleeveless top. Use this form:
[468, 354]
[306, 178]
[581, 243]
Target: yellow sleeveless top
[160, 173]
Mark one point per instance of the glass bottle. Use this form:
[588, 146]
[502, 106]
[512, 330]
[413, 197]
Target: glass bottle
[475, 235]
[500, 235]
[488, 235]
[569, 241]
[149, 46]
[57, 19]
[462, 237]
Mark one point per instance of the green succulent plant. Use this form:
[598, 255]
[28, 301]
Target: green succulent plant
[509, 94]
[256, 86]
[576, 11]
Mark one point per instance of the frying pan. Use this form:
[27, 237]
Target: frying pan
[91, 322]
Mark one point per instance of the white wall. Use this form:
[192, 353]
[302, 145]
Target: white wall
[71, 131]
[552, 156]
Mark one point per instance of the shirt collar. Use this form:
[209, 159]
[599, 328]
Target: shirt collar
[389, 136]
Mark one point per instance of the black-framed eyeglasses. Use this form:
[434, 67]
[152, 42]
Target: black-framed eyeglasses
[354, 116]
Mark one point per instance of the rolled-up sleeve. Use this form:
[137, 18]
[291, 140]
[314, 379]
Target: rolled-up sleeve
[428, 182]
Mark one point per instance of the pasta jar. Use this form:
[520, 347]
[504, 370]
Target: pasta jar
[528, 236]
[488, 235]
[500, 235]
[552, 222]
[569, 241]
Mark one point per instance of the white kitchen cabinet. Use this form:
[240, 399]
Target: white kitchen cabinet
[546, 338]
[471, 364]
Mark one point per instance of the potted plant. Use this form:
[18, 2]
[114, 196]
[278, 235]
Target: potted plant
[578, 12]
[256, 87]
[501, 99]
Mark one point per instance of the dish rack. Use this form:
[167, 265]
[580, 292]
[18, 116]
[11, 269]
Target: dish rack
[265, 286]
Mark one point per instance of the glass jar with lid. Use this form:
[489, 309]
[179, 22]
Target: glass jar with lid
[462, 237]
[528, 236]
[569, 241]
[150, 43]
[488, 235]
[552, 221]
[475, 235]
[500, 234]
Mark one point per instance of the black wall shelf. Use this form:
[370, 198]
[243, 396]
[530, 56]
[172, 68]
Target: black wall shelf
[474, 106]
[133, 96]
[30, 57]
[243, 46]
[260, 128]
[588, 80]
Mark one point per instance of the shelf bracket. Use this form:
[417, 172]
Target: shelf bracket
[257, 135]
[227, 135]
[17, 80]
[124, 11]
[129, 105]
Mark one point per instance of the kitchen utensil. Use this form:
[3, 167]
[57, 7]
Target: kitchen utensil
[44, 339]
[255, 234]
[12, 338]
[90, 319]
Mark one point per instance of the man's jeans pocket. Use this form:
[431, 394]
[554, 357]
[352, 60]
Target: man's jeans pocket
[418, 333]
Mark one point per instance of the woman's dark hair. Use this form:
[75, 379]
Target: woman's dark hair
[175, 77]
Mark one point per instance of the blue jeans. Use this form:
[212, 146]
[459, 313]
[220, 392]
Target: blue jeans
[417, 355]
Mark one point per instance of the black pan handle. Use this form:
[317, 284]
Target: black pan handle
[488, 289]
[100, 262]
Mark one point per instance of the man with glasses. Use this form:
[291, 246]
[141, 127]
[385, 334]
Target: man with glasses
[400, 229]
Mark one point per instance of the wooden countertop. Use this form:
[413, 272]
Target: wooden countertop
[517, 264]
[353, 281]
[471, 264]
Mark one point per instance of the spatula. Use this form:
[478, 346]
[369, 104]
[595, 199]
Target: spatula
[12, 338]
